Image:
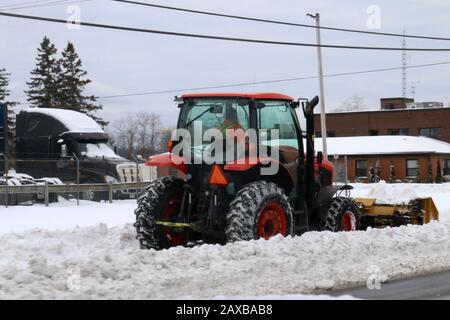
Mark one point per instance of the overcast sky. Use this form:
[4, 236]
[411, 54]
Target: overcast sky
[122, 62]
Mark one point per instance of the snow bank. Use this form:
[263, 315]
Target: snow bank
[106, 263]
[103, 261]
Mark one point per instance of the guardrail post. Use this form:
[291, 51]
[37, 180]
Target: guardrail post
[346, 169]
[46, 195]
[110, 192]
[7, 190]
[78, 179]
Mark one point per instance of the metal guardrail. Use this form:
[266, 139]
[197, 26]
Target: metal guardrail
[46, 189]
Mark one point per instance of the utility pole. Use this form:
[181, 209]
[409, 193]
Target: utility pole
[323, 121]
[404, 66]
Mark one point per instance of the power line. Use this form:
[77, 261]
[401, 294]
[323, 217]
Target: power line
[24, 3]
[274, 81]
[211, 37]
[278, 21]
[43, 5]
[266, 81]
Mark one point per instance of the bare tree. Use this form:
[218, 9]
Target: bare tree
[138, 134]
[148, 127]
[355, 103]
[166, 134]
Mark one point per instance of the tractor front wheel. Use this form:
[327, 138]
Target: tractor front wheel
[160, 202]
[343, 215]
[260, 210]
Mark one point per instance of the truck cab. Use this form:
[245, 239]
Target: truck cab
[49, 141]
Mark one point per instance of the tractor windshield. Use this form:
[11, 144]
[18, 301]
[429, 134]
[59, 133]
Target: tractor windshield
[218, 114]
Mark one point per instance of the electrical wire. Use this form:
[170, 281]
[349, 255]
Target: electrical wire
[24, 3]
[272, 81]
[43, 5]
[265, 81]
[279, 22]
[213, 37]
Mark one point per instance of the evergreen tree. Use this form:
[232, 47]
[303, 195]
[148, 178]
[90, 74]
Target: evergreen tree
[4, 93]
[392, 177]
[372, 178]
[72, 82]
[439, 178]
[429, 171]
[43, 85]
[377, 171]
[419, 174]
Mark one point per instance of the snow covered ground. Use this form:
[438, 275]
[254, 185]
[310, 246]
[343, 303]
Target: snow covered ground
[65, 215]
[100, 258]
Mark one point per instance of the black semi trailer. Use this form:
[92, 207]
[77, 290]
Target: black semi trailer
[49, 142]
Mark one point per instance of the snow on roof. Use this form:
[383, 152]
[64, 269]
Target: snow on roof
[372, 145]
[374, 110]
[74, 121]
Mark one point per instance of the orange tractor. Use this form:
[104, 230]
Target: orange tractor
[232, 200]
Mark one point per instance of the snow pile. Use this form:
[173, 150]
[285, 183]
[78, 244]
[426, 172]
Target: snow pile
[388, 193]
[106, 263]
[399, 193]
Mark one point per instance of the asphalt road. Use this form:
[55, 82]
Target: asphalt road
[431, 286]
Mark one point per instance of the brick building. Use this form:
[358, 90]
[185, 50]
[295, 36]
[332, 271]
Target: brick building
[397, 116]
[411, 157]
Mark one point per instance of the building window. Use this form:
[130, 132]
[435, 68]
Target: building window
[361, 168]
[447, 167]
[430, 132]
[412, 168]
[318, 134]
[373, 132]
[331, 134]
[398, 132]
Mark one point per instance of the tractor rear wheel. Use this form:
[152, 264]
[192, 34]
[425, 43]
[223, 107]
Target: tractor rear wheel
[260, 210]
[160, 202]
[343, 215]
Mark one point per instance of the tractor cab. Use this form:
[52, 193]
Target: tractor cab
[261, 118]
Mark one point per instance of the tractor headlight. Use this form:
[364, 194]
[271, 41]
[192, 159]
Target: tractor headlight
[110, 179]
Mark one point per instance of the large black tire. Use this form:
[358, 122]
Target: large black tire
[343, 215]
[151, 207]
[243, 219]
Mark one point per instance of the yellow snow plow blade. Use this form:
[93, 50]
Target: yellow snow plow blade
[417, 211]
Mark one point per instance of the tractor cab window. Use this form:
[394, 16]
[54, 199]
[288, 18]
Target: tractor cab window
[277, 115]
[221, 114]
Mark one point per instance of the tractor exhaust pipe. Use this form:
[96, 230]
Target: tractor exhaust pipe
[308, 111]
